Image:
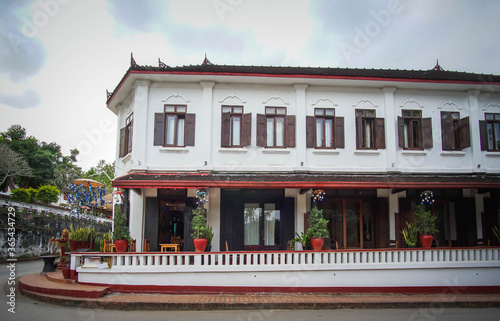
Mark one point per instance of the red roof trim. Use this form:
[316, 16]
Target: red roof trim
[290, 76]
[298, 184]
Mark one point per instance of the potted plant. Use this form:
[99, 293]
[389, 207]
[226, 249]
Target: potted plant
[318, 228]
[302, 239]
[410, 234]
[201, 232]
[65, 267]
[425, 223]
[121, 233]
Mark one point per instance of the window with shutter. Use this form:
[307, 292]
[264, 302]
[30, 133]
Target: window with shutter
[464, 133]
[310, 132]
[414, 132]
[122, 142]
[126, 134]
[367, 129]
[234, 127]
[455, 132]
[174, 127]
[275, 129]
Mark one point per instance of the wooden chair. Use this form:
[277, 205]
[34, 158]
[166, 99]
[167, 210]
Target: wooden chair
[146, 246]
[131, 246]
[177, 240]
[107, 246]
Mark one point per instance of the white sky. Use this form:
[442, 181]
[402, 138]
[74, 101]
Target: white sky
[58, 57]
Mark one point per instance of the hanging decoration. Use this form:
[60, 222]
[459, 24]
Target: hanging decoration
[202, 196]
[318, 195]
[86, 193]
[427, 197]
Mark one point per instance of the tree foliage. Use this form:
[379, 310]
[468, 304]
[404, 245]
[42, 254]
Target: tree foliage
[48, 194]
[102, 172]
[12, 164]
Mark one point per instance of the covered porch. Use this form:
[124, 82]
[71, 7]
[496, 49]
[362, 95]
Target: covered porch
[441, 270]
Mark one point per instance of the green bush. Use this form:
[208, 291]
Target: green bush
[318, 225]
[120, 229]
[48, 194]
[21, 195]
[199, 225]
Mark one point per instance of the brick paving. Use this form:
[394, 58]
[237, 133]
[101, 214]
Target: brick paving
[45, 289]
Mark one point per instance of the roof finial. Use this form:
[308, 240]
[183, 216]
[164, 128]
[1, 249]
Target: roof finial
[132, 61]
[437, 66]
[108, 94]
[206, 61]
[162, 64]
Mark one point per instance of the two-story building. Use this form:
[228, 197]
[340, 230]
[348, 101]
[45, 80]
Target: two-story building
[260, 140]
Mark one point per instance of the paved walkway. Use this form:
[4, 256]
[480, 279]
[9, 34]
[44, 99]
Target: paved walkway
[53, 289]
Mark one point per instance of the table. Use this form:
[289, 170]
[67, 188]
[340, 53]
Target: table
[164, 247]
[48, 265]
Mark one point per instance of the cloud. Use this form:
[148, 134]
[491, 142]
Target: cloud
[27, 99]
[141, 16]
[21, 55]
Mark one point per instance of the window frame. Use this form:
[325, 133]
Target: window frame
[324, 116]
[274, 115]
[410, 122]
[361, 120]
[177, 114]
[233, 115]
[448, 119]
[490, 123]
[126, 135]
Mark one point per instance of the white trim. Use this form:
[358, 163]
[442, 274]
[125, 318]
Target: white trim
[235, 150]
[326, 152]
[275, 151]
[413, 153]
[453, 153]
[174, 150]
[367, 152]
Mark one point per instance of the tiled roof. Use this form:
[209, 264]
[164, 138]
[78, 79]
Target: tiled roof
[436, 74]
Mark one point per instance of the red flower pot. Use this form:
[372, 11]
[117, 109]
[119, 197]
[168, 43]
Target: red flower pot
[200, 245]
[66, 272]
[317, 243]
[426, 241]
[121, 245]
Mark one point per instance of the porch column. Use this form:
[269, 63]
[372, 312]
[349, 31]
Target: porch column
[393, 209]
[479, 198]
[136, 218]
[139, 141]
[301, 209]
[213, 216]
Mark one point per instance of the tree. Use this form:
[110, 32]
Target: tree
[48, 194]
[103, 173]
[12, 164]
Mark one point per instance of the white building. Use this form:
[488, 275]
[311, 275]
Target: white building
[260, 139]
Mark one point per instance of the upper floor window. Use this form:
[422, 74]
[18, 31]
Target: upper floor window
[370, 131]
[455, 132]
[174, 127]
[324, 129]
[490, 132]
[414, 132]
[236, 127]
[126, 136]
[275, 128]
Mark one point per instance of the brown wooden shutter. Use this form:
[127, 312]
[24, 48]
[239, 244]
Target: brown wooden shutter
[447, 134]
[359, 132]
[189, 130]
[464, 133]
[379, 133]
[310, 132]
[261, 130]
[130, 134]
[246, 130]
[483, 134]
[122, 142]
[159, 131]
[427, 132]
[401, 132]
[226, 129]
[339, 132]
[290, 131]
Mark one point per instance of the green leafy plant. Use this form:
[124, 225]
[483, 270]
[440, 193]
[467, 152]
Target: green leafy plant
[21, 195]
[302, 239]
[120, 228]
[496, 232]
[48, 194]
[199, 225]
[318, 225]
[410, 234]
[425, 221]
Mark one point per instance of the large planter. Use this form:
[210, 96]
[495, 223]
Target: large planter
[78, 245]
[200, 245]
[426, 241]
[121, 245]
[65, 272]
[317, 243]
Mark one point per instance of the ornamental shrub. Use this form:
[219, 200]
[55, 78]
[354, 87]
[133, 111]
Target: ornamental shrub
[318, 225]
[48, 194]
